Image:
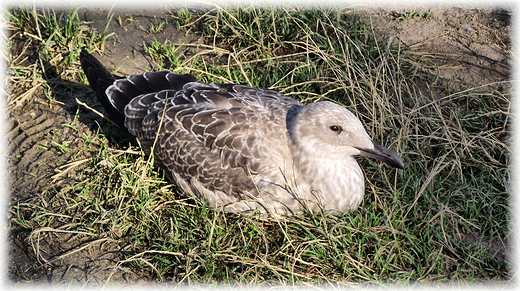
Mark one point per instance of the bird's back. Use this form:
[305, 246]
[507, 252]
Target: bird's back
[226, 139]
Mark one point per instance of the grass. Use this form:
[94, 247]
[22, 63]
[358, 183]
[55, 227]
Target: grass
[155, 27]
[412, 13]
[443, 219]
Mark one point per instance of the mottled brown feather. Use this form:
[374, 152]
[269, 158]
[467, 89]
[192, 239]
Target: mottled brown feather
[205, 127]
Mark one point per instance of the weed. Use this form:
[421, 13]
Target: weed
[155, 26]
[184, 17]
[166, 55]
[412, 13]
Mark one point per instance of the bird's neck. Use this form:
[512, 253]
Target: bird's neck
[337, 184]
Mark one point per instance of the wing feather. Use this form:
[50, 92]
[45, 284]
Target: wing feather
[209, 133]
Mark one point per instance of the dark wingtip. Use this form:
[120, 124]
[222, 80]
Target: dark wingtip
[100, 78]
[83, 54]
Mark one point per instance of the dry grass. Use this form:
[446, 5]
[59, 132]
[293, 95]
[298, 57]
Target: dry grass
[442, 219]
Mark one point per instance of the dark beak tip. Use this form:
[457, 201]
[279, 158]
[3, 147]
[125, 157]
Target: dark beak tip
[395, 161]
[383, 154]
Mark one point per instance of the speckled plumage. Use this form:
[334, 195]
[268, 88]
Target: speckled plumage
[238, 147]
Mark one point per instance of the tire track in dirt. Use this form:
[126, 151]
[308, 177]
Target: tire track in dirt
[43, 136]
[38, 143]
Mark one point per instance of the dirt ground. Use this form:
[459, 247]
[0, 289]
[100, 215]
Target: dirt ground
[468, 46]
[465, 47]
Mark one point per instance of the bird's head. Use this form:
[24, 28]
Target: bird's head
[331, 131]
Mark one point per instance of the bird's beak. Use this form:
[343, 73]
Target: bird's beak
[383, 154]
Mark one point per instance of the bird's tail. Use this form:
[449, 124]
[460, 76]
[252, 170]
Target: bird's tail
[100, 78]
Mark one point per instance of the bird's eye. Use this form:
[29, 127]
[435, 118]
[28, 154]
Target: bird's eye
[335, 128]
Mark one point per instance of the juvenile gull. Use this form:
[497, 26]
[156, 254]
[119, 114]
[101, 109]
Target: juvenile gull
[238, 147]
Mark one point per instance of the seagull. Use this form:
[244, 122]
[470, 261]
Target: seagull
[241, 149]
